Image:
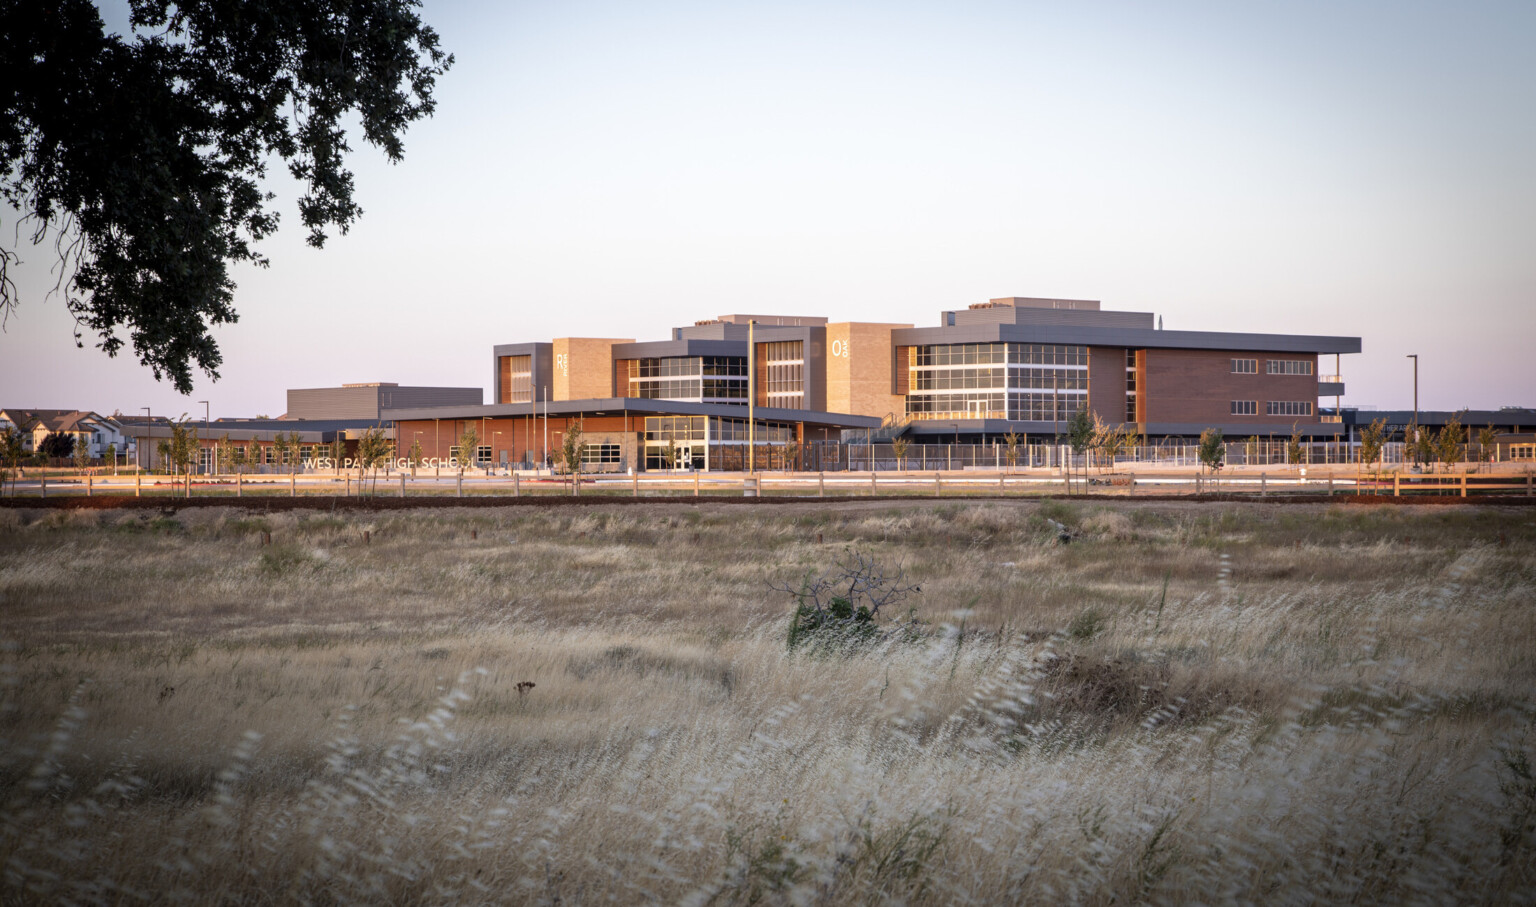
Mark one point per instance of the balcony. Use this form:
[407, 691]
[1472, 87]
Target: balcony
[1330, 385]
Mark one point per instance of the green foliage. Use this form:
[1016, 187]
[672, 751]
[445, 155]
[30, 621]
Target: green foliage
[1011, 447]
[1211, 451]
[571, 448]
[1487, 443]
[1086, 625]
[1373, 439]
[145, 154]
[57, 445]
[899, 447]
[1080, 430]
[82, 453]
[415, 453]
[1448, 442]
[373, 450]
[469, 443]
[1293, 451]
[841, 607]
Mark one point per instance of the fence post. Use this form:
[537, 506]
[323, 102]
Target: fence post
[44, 480]
[871, 478]
[695, 484]
[634, 480]
[1395, 488]
[459, 485]
[1330, 484]
[90, 486]
[1263, 484]
[1528, 485]
[1463, 484]
[517, 486]
[821, 484]
[138, 483]
[938, 483]
[402, 484]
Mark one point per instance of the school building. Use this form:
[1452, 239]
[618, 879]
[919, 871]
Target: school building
[769, 384]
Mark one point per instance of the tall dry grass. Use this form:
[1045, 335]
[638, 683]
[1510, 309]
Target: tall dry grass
[1290, 704]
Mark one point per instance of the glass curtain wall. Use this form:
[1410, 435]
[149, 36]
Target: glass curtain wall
[1026, 382]
[690, 379]
[711, 442]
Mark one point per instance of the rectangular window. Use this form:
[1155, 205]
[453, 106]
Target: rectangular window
[1288, 367]
[1288, 408]
[1245, 366]
[483, 454]
[601, 454]
[1522, 451]
[1245, 407]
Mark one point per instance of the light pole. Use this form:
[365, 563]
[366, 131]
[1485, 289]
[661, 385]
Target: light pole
[206, 431]
[1415, 358]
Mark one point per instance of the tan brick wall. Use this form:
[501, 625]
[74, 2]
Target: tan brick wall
[583, 367]
[859, 369]
[1199, 386]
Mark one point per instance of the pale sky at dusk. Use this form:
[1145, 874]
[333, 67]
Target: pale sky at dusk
[608, 169]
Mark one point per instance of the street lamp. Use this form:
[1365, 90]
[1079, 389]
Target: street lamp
[1415, 358]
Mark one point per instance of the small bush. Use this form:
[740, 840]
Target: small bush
[843, 604]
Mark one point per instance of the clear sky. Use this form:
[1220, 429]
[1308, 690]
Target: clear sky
[613, 169]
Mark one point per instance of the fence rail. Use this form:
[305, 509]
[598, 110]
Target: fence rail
[969, 481]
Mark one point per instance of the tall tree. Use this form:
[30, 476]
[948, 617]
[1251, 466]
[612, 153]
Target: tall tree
[139, 157]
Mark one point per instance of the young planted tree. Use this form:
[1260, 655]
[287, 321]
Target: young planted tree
[82, 454]
[1108, 442]
[224, 455]
[572, 446]
[1212, 451]
[238, 458]
[669, 453]
[415, 457]
[111, 451]
[1448, 443]
[899, 447]
[1080, 432]
[183, 449]
[1011, 448]
[1373, 440]
[12, 451]
[373, 449]
[469, 445]
[337, 451]
[1293, 451]
[1487, 443]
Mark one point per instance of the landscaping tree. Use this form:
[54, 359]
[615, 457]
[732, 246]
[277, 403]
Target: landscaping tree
[1011, 448]
[12, 450]
[239, 457]
[1373, 440]
[1293, 450]
[1448, 442]
[57, 445]
[1251, 450]
[182, 449]
[337, 451]
[1487, 443]
[1109, 441]
[571, 448]
[373, 449]
[899, 447]
[141, 158]
[415, 456]
[224, 455]
[82, 454]
[469, 445]
[112, 452]
[1424, 448]
[1080, 437]
[1212, 451]
[669, 453]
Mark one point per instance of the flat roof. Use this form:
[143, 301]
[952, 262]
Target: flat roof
[1140, 338]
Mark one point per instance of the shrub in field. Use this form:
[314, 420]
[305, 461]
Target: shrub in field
[843, 604]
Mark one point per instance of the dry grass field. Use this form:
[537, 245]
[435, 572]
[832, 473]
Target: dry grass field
[1215, 703]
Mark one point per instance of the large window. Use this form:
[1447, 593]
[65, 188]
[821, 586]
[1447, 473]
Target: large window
[1245, 366]
[699, 379]
[604, 453]
[783, 377]
[1288, 408]
[1245, 407]
[1288, 367]
[1019, 381]
[520, 379]
[1522, 451]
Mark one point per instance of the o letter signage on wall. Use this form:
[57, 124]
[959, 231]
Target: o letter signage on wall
[839, 349]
